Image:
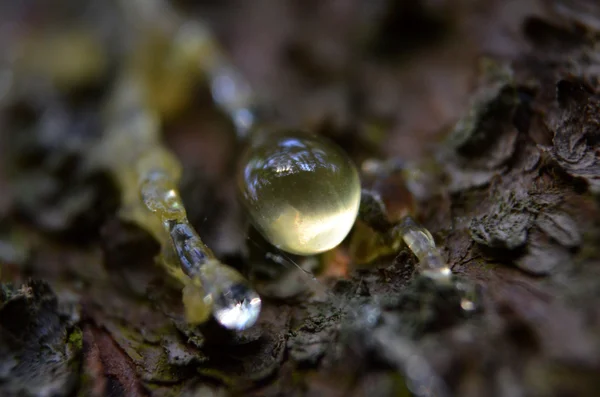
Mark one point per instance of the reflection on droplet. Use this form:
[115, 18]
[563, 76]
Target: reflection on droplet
[243, 120]
[467, 305]
[237, 308]
[468, 291]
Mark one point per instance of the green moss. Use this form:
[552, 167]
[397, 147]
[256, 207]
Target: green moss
[217, 375]
[399, 385]
[165, 391]
[75, 339]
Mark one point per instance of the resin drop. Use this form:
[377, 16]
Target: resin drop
[301, 191]
[237, 308]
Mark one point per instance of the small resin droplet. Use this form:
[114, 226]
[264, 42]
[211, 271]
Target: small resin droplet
[235, 305]
[301, 191]
[421, 243]
[237, 308]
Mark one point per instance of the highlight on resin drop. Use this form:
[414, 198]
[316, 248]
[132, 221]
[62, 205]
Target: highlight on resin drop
[301, 191]
[237, 308]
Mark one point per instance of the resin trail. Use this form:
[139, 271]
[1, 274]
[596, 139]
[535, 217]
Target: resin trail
[149, 174]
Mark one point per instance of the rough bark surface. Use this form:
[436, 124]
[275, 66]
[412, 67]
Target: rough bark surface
[499, 104]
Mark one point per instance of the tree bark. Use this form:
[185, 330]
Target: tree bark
[510, 94]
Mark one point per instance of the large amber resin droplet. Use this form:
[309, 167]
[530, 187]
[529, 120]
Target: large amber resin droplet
[302, 192]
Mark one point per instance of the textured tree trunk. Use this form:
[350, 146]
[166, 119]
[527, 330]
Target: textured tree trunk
[498, 102]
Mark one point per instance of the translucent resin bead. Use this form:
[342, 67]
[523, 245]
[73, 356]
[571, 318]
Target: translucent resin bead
[301, 191]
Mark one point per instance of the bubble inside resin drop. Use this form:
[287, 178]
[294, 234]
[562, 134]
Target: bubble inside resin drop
[301, 191]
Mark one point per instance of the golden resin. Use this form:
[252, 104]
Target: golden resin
[301, 191]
